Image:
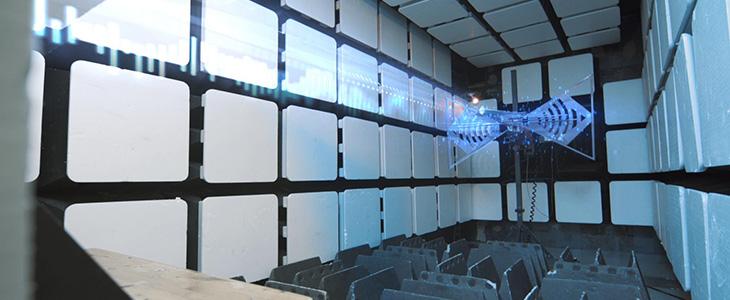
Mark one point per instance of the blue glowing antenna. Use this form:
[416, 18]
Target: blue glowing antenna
[559, 120]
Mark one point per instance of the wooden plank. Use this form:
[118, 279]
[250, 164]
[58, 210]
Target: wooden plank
[144, 279]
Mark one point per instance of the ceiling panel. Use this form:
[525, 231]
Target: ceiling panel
[457, 31]
[427, 13]
[476, 46]
[395, 2]
[592, 21]
[490, 5]
[529, 35]
[491, 59]
[516, 16]
[594, 39]
[540, 49]
[564, 8]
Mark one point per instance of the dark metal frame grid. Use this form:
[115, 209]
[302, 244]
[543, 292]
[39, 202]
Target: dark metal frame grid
[57, 191]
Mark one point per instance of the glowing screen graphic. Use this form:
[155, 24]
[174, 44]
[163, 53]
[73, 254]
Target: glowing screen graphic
[358, 78]
[311, 62]
[240, 40]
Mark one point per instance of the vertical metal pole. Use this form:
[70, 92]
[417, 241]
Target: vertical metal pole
[516, 149]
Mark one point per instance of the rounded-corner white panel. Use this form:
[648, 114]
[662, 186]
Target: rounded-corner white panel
[632, 202]
[487, 201]
[425, 209]
[357, 74]
[423, 155]
[627, 151]
[578, 202]
[360, 218]
[395, 89]
[541, 214]
[149, 229]
[34, 89]
[397, 212]
[311, 226]
[360, 149]
[239, 236]
[448, 208]
[239, 138]
[309, 144]
[125, 126]
[310, 62]
[395, 156]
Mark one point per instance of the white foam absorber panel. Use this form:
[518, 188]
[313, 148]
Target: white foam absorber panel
[422, 149]
[397, 212]
[395, 89]
[240, 138]
[624, 102]
[149, 229]
[628, 151]
[487, 201]
[310, 62]
[424, 209]
[688, 105]
[443, 147]
[34, 89]
[443, 108]
[360, 149]
[465, 198]
[698, 226]
[322, 11]
[309, 144]
[718, 207]
[357, 75]
[529, 83]
[359, 21]
[160, 31]
[239, 236]
[577, 202]
[359, 218]
[633, 202]
[448, 208]
[566, 74]
[421, 97]
[125, 126]
[311, 226]
[541, 214]
[395, 154]
[240, 41]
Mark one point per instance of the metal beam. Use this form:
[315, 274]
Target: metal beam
[555, 22]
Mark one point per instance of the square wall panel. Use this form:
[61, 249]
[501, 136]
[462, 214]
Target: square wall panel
[697, 241]
[422, 145]
[465, 197]
[427, 13]
[686, 92]
[359, 218]
[311, 226]
[392, 34]
[627, 151]
[487, 199]
[566, 73]
[540, 49]
[578, 202]
[675, 237]
[490, 5]
[421, 94]
[240, 138]
[666, 38]
[542, 214]
[457, 31]
[443, 109]
[632, 202]
[529, 35]
[529, 83]
[360, 149]
[591, 21]
[397, 212]
[718, 207]
[359, 21]
[443, 156]
[515, 16]
[564, 8]
[624, 102]
[149, 229]
[240, 41]
[424, 209]
[676, 158]
[463, 169]
[310, 62]
[395, 154]
[485, 163]
[395, 2]
[441, 63]
[477, 46]
[421, 50]
[126, 126]
[322, 11]
[120, 24]
[34, 89]
[358, 79]
[595, 39]
[448, 208]
[490, 59]
[395, 91]
[239, 236]
[309, 144]
[680, 13]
